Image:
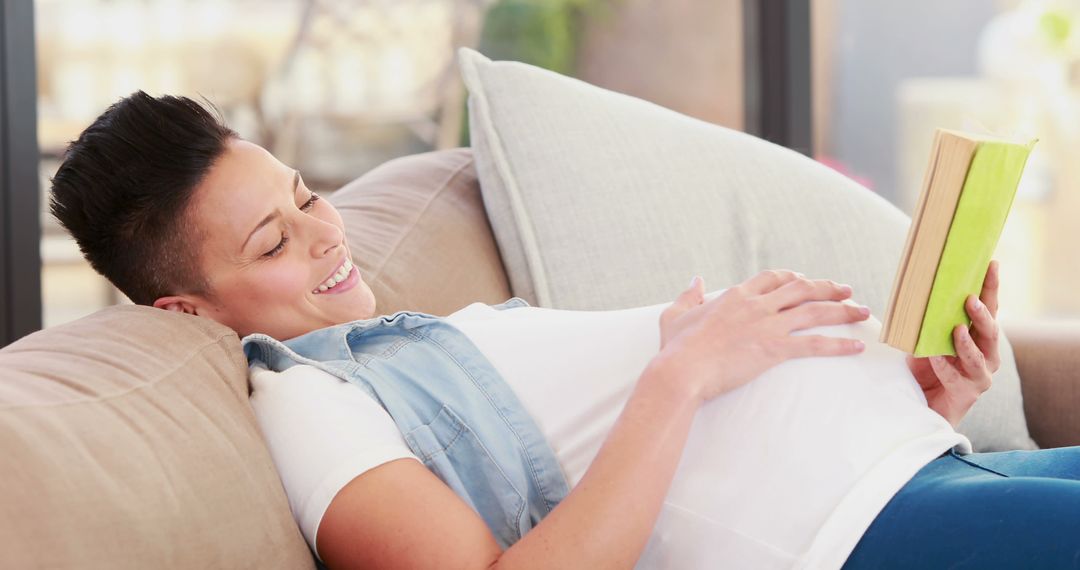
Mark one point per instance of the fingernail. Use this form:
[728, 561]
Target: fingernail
[859, 345]
[864, 311]
[845, 288]
[693, 280]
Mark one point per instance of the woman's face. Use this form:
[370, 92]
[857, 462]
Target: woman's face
[270, 251]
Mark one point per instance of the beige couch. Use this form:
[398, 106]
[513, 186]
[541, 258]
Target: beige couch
[126, 436]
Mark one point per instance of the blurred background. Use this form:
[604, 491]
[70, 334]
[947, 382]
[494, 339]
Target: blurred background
[334, 88]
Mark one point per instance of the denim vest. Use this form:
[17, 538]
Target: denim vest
[453, 408]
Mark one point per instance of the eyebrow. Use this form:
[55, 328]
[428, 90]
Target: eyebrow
[275, 214]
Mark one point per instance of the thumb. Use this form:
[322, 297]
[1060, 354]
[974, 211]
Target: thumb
[695, 295]
[684, 303]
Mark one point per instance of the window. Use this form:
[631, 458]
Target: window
[887, 74]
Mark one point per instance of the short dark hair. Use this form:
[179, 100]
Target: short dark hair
[125, 187]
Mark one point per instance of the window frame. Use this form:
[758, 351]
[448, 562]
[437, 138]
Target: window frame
[20, 195]
[777, 73]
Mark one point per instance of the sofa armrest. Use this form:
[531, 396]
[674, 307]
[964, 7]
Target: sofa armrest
[1047, 356]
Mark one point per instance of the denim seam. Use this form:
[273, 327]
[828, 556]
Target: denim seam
[463, 427]
[488, 396]
[396, 346]
[442, 448]
[978, 466]
[352, 368]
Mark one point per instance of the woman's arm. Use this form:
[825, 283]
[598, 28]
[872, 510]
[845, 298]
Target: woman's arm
[606, 520]
[399, 515]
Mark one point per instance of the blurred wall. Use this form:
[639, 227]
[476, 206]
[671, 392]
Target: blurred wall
[686, 55]
[872, 46]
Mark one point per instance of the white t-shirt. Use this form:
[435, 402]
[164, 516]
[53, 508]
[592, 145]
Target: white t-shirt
[786, 471]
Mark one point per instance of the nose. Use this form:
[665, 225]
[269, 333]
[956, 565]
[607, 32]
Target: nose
[326, 237]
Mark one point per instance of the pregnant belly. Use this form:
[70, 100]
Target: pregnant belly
[770, 462]
[764, 466]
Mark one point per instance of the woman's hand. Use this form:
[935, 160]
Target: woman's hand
[718, 345]
[953, 383]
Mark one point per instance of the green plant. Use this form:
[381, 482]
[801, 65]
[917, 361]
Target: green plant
[544, 33]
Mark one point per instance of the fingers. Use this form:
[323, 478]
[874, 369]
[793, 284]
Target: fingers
[817, 345]
[946, 372]
[691, 297]
[801, 290]
[768, 280]
[815, 314]
[989, 294]
[962, 372]
[973, 366]
[986, 332]
[696, 292]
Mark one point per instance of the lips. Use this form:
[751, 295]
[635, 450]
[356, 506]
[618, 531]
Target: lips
[341, 273]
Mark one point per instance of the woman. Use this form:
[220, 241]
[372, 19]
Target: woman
[674, 461]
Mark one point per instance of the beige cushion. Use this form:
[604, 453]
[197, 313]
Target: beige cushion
[417, 230]
[1048, 356]
[127, 442]
[599, 200]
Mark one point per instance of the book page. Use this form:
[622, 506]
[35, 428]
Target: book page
[905, 255]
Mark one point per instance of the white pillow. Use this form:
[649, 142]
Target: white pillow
[599, 200]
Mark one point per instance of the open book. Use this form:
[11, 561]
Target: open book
[966, 195]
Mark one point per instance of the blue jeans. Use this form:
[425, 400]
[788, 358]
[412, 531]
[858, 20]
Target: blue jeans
[1010, 509]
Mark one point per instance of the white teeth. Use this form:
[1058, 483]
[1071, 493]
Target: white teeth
[336, 278]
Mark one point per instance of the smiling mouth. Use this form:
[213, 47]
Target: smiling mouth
[340, 275]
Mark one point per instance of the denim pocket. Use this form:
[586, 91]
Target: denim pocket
[456, 455]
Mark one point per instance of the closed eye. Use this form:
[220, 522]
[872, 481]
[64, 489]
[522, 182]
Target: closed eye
[306, 207]
[277, 248]
[310, 203]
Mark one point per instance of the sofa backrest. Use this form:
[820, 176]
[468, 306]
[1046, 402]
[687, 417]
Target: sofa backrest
[127, 437]
[418, 232]
[128, 442]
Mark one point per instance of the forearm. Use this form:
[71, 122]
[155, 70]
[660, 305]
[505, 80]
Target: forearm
[607, 518]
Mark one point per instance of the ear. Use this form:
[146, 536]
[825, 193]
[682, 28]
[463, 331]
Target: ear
[177, 303]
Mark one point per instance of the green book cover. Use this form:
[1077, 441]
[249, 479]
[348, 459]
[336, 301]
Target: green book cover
[985, 201]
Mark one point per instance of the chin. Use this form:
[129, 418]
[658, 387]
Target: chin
[358, 312]
[367, 303]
